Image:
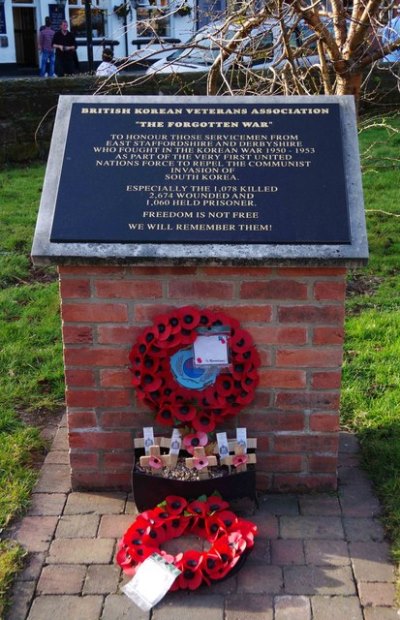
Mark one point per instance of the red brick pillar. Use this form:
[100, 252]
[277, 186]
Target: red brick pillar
[295, 315]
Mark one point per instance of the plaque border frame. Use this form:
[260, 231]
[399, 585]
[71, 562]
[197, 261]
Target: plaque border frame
[350, 254]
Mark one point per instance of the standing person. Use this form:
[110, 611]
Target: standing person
[46, 50]
[107, 67]
[65, 46]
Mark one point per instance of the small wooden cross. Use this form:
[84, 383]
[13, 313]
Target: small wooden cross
[172, 457]
[238, 452]
[200, 457]
[155, 456]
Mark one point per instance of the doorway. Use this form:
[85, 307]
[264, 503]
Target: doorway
[25, 31]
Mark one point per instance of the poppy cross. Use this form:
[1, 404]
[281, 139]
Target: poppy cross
[155, 460]
[240, 459]
[201, 462]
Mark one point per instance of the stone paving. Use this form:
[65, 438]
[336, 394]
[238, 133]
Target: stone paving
[317, 557]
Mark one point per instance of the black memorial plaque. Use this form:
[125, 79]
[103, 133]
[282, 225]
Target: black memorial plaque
[181, 173]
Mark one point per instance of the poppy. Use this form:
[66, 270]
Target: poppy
[245, 398]
[204, 423]
[176, 526]
[165, 415]
[248, 530]
[173, 343]
[150, 383]
[163, 326]
[194, 440]
[175, 324]
[189, 579]
[197, 508]
[175, 504]
[224, 385]
[126, 562]
[215, 568]
[239, 459]
[189, 317]
[240, 341]
[184, 412]
[226, 518]
[213, 528]
[192, 559]
[250, 382]
[200, 462]
[216, 503]
[136, 377]
[188, 337]
[155, 462]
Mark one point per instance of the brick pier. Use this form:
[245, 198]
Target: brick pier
[295, 316]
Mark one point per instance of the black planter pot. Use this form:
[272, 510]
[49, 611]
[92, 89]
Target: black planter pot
[150, 490]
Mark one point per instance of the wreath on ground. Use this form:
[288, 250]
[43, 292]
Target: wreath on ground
[209, 518]
[202, 406]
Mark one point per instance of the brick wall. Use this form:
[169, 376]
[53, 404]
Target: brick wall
[295, 316]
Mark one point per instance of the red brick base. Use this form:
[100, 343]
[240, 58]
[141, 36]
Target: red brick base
[295, 316]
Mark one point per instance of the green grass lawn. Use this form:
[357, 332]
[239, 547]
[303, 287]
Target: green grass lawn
[31, 372]
[370, 402]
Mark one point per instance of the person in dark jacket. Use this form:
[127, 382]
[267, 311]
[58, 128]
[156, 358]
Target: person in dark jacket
[65, 46]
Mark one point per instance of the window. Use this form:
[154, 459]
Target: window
[152, 18]
[77, 20]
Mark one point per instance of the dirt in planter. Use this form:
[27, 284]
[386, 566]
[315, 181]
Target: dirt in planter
[181, 472]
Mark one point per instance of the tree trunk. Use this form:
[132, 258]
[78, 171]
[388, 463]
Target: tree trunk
[349, 84]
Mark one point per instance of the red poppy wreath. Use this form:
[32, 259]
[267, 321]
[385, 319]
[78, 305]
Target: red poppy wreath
[203, 405]
[208, 518]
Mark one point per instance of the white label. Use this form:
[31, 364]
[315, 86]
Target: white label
[148, 436]
[176, 442]
[223, 447]
[241, 438]
[211, 350]
[151, 582]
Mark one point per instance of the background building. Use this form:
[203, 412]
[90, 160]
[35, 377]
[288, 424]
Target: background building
[119, 22]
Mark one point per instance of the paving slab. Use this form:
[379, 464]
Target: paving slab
[78, 526]
[102, 579]
[66, 607]
[21, 598]
[61, 579]
[81, 551]
[114, 526]
[363, 530]
[336, 608]
[120, 607]
[184, 605]
[260, 579]
[376, 594]
[322, 580]
[326, 552]
[371, 561]
[292, 607]
[326, 505]
[54, 479]
[95, 503]
[44, 504]
[249, 607]
[35, 533]
[287, 552]
[311, 527]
